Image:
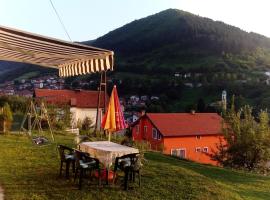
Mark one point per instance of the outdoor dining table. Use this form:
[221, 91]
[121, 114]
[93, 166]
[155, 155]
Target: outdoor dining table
[106, 152]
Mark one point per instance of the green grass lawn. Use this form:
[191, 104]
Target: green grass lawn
[31, 172]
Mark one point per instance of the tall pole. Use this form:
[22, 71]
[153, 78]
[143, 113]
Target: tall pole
[98, 102]
[105, 92]
[102, 88]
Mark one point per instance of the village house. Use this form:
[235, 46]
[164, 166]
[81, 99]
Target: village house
[82, 103]
[191, 136]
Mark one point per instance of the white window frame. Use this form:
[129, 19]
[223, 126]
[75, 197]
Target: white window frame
[156, 132]
[183, 149]
[206, 149]
[172, 152]
[198, 149]
[178, 152]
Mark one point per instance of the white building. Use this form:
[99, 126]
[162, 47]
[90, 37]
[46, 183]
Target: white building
[82, 103]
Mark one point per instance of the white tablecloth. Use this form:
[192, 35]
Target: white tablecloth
[106, 151]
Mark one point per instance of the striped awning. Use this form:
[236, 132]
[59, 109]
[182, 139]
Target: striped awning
[70, 58]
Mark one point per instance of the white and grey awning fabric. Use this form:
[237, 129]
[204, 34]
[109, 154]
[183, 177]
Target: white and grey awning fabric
[70, 58]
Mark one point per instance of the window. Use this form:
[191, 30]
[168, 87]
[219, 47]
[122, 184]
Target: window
[145, 129]
[198, 137]
[205, 149]
[159, 136]
[198, 149]
[174, 152]
[154, 133]
[180, 153]
[137, 129]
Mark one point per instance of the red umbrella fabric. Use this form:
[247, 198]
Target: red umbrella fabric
[114, 120]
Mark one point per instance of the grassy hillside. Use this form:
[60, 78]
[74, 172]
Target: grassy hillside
[16, 71]
[30, 172]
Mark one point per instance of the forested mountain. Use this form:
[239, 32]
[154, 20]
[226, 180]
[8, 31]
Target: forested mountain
[177, 39]
[184, 59]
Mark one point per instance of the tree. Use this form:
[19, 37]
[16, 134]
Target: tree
[248, 140]
[201, 105]
[6, 117]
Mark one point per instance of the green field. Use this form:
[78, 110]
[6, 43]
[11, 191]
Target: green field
[31, 172]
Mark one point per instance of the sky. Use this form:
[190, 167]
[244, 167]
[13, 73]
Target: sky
[90, 19]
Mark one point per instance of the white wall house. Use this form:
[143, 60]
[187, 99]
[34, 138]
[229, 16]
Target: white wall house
[79, 114]
[82, 103]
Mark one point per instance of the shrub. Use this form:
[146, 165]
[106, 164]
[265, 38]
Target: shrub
[6, 117]
[248, 140]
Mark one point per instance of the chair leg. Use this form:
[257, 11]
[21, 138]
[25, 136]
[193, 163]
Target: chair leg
[114, 175]
[80, 178]
[99, 177]
[67, 169]
[60, 170]
[73, 166]
[126, 178]
[133, 176]
[75, 175]
[107, 176]
[139, 173]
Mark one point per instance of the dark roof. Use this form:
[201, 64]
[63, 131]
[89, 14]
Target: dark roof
[75, 98]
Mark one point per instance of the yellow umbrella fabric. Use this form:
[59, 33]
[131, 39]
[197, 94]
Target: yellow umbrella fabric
[114, 118]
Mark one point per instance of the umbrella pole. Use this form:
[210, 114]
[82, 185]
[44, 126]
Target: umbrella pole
[109, 139]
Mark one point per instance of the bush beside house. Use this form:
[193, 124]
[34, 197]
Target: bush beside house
[6, 118]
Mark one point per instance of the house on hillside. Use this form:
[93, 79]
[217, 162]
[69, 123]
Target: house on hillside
[186, 135]
[83, 103]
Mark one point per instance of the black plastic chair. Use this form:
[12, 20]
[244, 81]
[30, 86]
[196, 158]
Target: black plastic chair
[84, 163]
[66, 156]
[131, 165]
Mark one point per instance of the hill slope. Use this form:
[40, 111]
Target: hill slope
[12, 70]
[182, 57]
[208, 56]
[174, 38]
[35, 176]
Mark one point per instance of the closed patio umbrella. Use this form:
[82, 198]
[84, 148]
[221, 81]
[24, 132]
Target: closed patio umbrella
[113, 120]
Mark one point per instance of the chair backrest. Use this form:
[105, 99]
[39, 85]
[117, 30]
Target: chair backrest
[133, 158]
[62, 149]
[137, 162]
[79, 155]
[85, 158]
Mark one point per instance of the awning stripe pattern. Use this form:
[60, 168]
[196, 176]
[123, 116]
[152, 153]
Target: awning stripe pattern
[70, 58]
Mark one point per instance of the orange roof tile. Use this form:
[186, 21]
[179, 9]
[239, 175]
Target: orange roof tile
[75, 98]
[185, 124]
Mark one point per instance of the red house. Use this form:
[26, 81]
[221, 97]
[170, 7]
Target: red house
[187, 135]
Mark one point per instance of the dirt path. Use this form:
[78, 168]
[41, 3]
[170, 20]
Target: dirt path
[1, 193]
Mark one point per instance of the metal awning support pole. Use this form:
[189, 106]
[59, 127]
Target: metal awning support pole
[102, 87]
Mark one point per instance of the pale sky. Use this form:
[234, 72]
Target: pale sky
[89, 19]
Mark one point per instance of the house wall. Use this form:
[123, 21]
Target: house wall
[190, 143]
[82, 113]
[140, 134]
